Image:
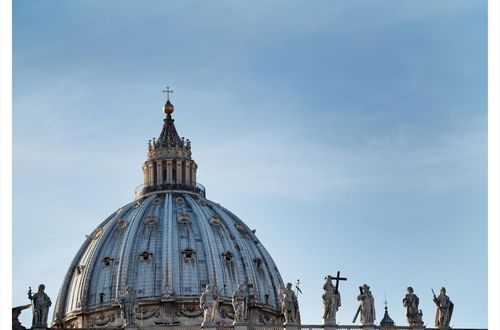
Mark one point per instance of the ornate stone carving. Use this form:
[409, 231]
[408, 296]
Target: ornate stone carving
[444, 309]
[103, 319]
[331, 302]
[240, 304]
[74, 324]
[127, 306]
[289, 304]
[189, 312]
[367, 305]
[41, 304]
[413, 314]
[148, 312]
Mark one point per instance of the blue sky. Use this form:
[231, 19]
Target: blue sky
[350, 134]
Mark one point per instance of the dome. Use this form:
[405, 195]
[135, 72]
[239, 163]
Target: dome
[168, 244]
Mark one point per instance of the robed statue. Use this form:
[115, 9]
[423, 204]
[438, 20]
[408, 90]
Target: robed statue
[289, 304]
[209, 302]
[444, 309]
[41, 303]
[366, 305]
[413, 314]
[239, 301]
[127, 306]
[331, 302]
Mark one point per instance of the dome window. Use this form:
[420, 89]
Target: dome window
[151, 220]
[228, 256]
[240, 227]
[79, 269]
[101, 297]
[179, 200]
[183, 219]
[157, 201]
[258, 262]
[202, 202]
[188, 254]
[215, 220]
[146, 256]
[107, 261]
[121, 224]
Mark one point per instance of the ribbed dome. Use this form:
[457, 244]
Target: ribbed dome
[168, 246]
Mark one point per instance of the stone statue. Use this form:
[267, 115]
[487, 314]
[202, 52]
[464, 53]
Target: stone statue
[366, 305]
[289, 304]
[41, 303]
[413, 314]
[331, 302]
[16, 311]
[127, 306]
[240, 304]
[444, 309]
[209, 301]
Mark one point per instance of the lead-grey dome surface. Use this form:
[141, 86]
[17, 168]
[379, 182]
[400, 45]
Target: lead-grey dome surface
[168, 247]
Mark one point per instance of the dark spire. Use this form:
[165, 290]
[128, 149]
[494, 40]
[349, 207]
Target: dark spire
[168, 137]
[386, 321]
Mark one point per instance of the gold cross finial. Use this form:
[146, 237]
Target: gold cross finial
[168, 91]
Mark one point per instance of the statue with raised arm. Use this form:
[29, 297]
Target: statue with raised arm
[209, 302]
[331, 302]
[239, 301]
[444, 309]
[413, 314]
[127, 306]
[289, 304]
[41, 303]
[366, 306]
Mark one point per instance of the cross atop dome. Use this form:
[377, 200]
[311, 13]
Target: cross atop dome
[168, 108]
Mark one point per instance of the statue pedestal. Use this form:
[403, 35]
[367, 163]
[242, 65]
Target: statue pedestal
[208, 326]
[291, 326]
[239, 325]
[417, 326]
[330, 325]
[368, 327]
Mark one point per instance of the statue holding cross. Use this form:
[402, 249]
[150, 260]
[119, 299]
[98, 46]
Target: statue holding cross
[331, 298]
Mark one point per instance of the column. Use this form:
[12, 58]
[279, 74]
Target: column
[169, 171]
[193, 172]
[188, 173]
[145, 170]
[179, 172]
[151, 175]
[158, 173]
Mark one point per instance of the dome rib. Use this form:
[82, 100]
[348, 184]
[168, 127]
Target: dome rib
[124, 256]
